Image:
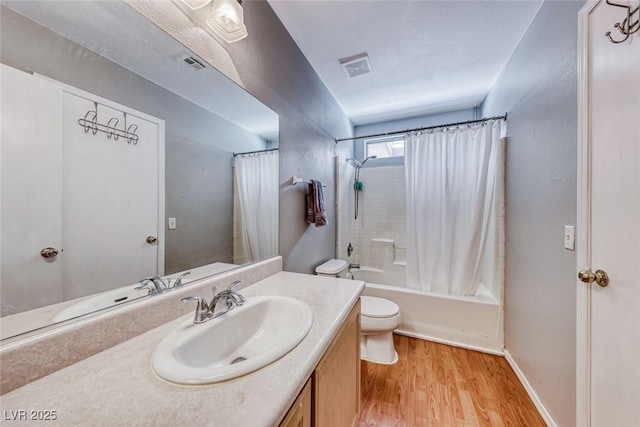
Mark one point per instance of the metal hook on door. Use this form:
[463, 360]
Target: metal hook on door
[628, 26]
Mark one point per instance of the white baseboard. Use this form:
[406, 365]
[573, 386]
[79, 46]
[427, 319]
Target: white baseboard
[530, 391]
[489, 350]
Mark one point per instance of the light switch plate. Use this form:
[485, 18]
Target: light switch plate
[172, 223]
[570, 237]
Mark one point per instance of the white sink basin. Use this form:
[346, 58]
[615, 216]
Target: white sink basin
[99, 302]
[239, 342]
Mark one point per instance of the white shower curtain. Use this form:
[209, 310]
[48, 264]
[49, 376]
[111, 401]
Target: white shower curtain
[255, 210]
[452, 182]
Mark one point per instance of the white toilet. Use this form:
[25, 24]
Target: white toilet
[378, 318]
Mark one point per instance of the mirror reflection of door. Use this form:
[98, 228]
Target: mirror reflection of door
[111, 217]
[111, 192]
[31, 209]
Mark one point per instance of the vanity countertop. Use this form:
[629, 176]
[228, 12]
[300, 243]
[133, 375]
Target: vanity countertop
[118, 387]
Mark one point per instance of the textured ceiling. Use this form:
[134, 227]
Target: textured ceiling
[428, 56]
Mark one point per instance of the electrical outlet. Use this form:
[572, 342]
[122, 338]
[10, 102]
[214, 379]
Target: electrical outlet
[172, 223]
[570, 237]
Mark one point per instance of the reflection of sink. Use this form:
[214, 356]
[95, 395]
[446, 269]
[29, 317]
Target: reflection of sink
[98, 302]
[237, 343]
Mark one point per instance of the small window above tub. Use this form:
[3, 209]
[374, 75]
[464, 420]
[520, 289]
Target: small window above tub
[385, 147]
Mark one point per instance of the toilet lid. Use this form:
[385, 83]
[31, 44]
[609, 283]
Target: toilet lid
[378, 307]
[333, 266]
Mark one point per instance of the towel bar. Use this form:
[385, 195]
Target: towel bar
[296, 180]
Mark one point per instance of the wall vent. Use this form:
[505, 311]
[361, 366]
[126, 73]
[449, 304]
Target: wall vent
[192, 62]
[356, 65]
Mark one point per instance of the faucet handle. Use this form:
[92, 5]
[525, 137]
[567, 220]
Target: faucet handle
[202, 308]
[201, 301]
[145, 284]
[237, 297]
[161, 284]
[234, 283]
[150, 284]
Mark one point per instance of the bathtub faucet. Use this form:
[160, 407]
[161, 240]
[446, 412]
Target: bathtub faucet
[354, 266]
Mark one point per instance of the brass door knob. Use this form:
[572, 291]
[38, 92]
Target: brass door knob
[151, 240]
[600, 277]
[49, 252]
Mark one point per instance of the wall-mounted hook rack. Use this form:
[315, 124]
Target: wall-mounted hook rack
[629, 25]
[90, 124]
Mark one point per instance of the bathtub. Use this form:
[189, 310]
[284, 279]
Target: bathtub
[470, 322]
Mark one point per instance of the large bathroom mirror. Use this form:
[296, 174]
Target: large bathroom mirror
[124, 156]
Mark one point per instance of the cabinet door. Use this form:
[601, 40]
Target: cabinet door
[300, 413]
[337, 377]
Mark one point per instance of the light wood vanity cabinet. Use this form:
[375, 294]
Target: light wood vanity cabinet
[300, 413]
[333, 391]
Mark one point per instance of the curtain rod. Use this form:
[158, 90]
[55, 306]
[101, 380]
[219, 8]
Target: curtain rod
[468, 122]
[255, 152]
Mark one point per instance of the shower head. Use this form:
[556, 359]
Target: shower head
[358, 164]
[365, 160]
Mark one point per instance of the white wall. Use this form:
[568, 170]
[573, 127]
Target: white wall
[538, 88]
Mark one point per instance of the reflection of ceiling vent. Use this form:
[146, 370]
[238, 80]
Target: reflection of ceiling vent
[356, 65]
[192, 62]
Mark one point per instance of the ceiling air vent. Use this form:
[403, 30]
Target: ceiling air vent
[192, 62]
[356, 65]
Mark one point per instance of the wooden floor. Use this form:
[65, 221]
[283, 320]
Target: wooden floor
[438, 385]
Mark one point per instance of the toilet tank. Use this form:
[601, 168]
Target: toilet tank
[332, 268]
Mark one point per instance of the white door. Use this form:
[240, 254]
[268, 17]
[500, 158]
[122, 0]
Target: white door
[609, 207]
[31, 194]
[111, 201]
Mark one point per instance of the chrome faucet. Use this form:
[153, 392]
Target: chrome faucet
[202, 309]
[155, 284]
[206, 311]
[178, 282]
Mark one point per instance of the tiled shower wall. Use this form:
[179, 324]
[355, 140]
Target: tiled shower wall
[494, 261]
[379, 234]
[381, 226]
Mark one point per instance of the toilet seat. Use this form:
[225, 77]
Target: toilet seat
[378, 307]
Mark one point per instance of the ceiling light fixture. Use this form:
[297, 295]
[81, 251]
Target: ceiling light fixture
[196, 4]
[227, 20]
[224, 19]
